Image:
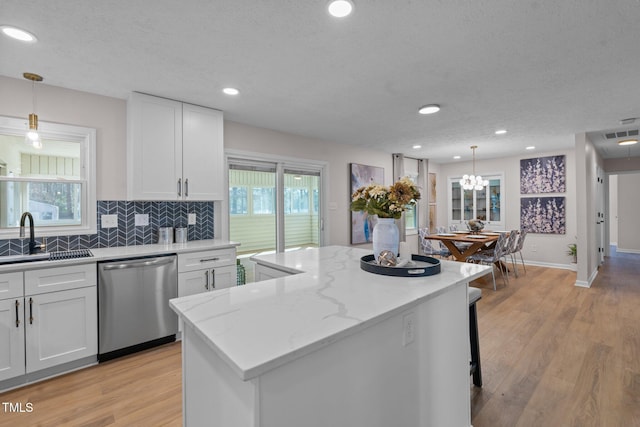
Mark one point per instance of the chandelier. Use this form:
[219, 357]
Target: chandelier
[473, 182]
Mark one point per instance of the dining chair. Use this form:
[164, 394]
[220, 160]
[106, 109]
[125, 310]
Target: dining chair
[512, 245]
[446, 253]
[492, 257]
[429, 247]
[520, 245]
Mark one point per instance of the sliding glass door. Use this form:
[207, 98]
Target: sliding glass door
[274, 206]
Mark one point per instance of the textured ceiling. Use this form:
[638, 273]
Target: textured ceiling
[542, 70]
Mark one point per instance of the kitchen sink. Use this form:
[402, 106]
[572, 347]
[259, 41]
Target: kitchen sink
[46, 256]
[14, 259]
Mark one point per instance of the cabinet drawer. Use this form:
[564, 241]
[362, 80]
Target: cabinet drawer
[59, 278]
[11, 285]
[206, 259]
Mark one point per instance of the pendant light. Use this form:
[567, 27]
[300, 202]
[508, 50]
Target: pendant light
[32, 136]
[473, 182]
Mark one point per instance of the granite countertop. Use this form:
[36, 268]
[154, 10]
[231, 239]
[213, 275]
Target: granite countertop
[121, 252]
[263, 325]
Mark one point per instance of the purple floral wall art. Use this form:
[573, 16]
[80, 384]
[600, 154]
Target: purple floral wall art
[361, 223]
[543, 175]
[545, 215]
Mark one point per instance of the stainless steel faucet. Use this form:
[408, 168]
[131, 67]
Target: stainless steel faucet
[33, 247]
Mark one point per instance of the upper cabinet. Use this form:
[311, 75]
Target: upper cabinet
[175, 151]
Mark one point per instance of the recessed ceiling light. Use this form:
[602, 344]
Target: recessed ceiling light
[340, 8]
[231, 91]
[628, 142]
[429, 109]
[531, 147]
[456, 157]
[501, 132]
[18, 34]
[415, 147]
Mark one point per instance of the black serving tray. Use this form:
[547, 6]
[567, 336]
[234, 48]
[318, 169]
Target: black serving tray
[426, 266]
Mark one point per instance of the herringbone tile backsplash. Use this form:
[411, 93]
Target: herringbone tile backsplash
[161, 214]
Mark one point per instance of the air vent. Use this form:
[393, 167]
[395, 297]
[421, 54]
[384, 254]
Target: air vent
[621, 134]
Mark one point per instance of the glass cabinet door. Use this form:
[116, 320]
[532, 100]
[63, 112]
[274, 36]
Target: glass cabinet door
[456, 201]
[494, 200]
[468, 204]
[481, 204]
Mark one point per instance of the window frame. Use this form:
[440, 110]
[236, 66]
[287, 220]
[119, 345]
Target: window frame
[86, 137]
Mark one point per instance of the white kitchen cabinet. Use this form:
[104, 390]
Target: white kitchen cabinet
[195, 282]
[60, 327]
[175, 151]
[50, 319]
[263, 272]
[206, 271]
[11, 338]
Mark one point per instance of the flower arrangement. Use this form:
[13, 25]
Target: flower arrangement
[386, 202]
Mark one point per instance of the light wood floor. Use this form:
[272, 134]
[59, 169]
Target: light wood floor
[552, 355]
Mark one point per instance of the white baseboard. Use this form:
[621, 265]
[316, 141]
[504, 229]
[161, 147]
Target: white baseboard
[571, 266]
[588, 283]
[628, 251]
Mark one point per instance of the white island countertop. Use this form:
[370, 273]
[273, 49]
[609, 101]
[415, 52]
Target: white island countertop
[263, 325]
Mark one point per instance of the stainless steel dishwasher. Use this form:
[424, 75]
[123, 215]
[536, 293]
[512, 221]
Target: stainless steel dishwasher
[133, 304]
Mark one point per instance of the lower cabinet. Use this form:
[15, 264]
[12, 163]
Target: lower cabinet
[195, 282]
[60, 327]
[40, 330]
[206, 271]
[11, 338]
[265, 273]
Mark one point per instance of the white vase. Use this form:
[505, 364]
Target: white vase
[385, 236]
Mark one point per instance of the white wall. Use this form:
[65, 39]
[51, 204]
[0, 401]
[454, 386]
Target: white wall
[628, 208]
[242, 137]
[58, 105]
[545, 249]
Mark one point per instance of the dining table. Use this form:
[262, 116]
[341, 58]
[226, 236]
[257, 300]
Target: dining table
[463, 244]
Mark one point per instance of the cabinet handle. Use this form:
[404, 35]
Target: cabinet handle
[186, 187]
[213, 278]
[179, 186]
[206, 280]
[31, 311]
[17, 318]
[209, 259]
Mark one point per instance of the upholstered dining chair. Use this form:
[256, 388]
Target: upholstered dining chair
[429, 247]
[492, 257]
[512, 245]
[519, 246]
[446, 253]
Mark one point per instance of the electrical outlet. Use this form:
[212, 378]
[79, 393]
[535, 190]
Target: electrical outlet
[192, 219]
[109, 221]
[408, 328]
[142, 219]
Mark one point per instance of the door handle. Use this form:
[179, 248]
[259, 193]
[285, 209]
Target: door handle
[206, 280]
[31, 311]
[125, 265]
[213, 278]
[210, 259]
[179, 186]
[186, 187]
[17, 318]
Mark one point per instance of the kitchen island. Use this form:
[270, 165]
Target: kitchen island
[329, 344]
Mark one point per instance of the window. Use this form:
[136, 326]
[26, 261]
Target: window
[296, 200]
[55, 183]
[264, 201]
[482, 204]
[238, 200]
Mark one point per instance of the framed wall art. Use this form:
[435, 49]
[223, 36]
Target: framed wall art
[543, 175]
[361, 223]
[544, 215]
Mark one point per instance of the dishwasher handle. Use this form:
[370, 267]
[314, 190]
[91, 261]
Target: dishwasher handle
[138, 264]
